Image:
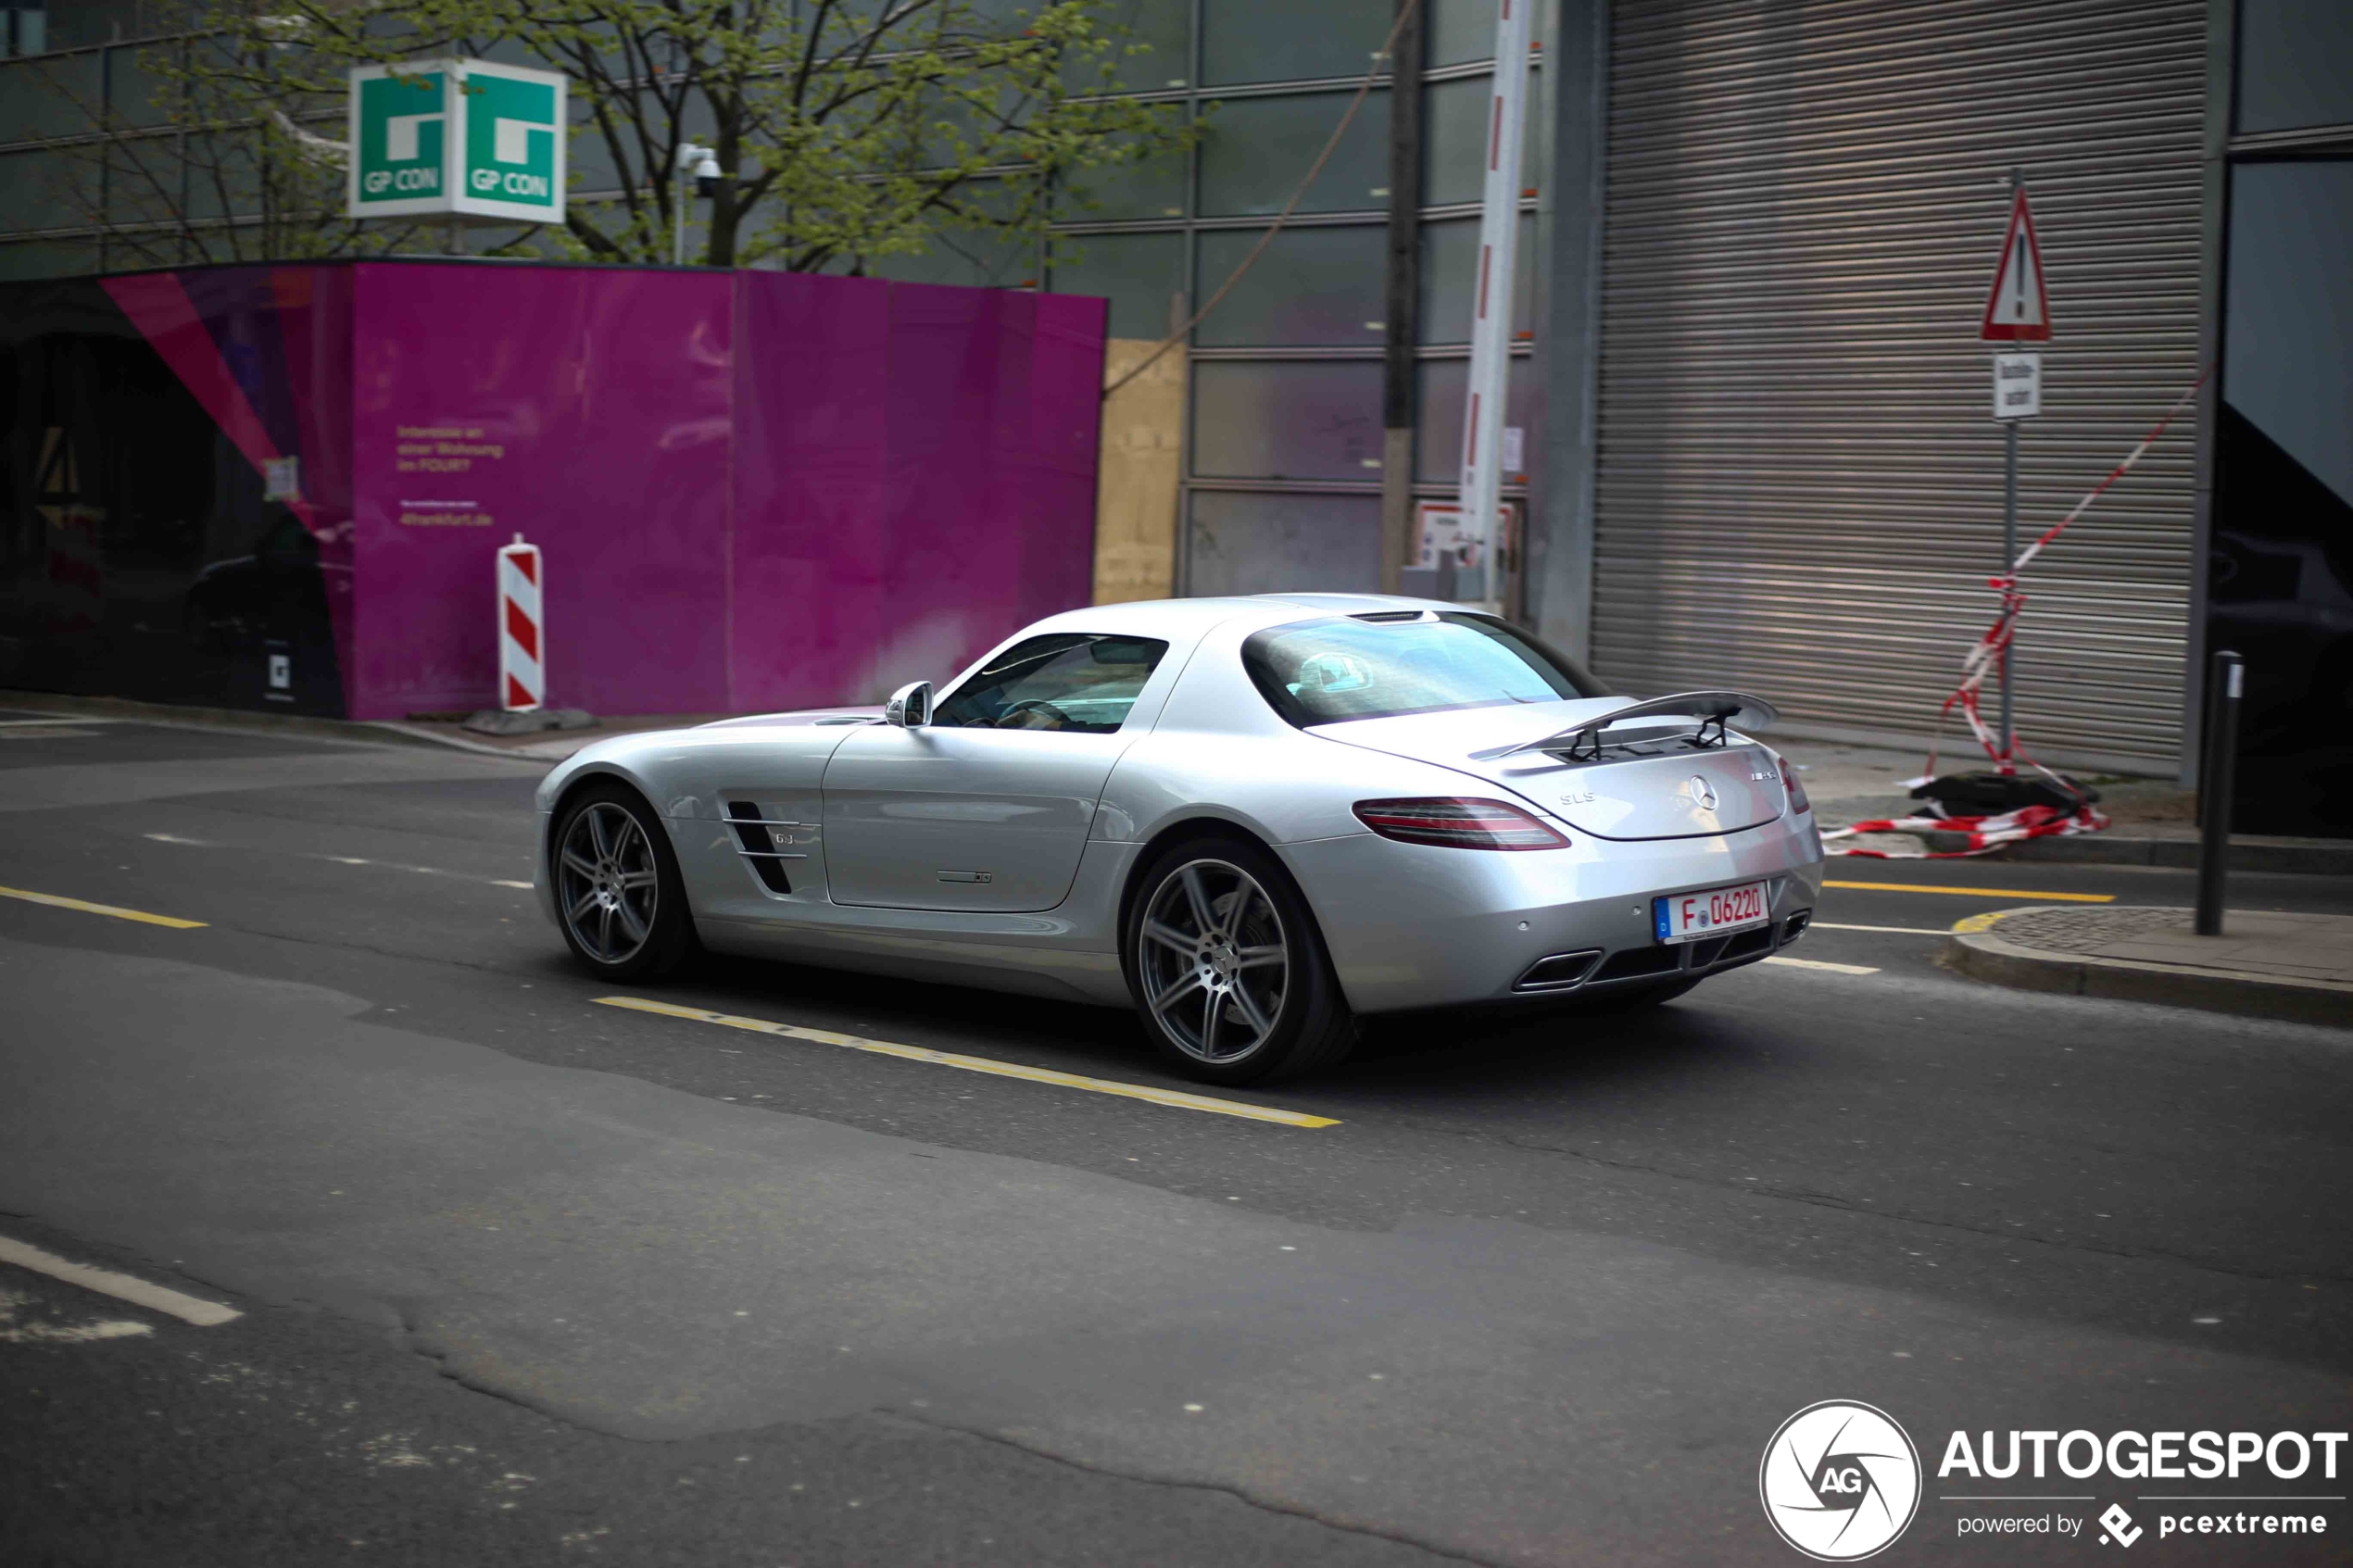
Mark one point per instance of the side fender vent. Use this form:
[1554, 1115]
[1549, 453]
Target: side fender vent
[758, 846]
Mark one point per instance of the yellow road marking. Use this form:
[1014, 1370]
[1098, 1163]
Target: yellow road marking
[1823, 964]
[1893, 930]
[1976, 892]
[1970, 924]
[89, 908]
[1175, 1097]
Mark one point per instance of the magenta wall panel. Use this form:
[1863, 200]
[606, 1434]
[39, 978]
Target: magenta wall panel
[753, 491]
[915, 479]
[586, 408]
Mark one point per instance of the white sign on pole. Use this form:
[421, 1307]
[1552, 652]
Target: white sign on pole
[1492, 303]
[2018, 386]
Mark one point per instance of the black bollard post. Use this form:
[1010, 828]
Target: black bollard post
[2225, 684]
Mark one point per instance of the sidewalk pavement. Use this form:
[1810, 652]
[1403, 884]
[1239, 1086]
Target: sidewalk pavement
[2265, 963]
[2154, 822]
[544, 745]
[540, 747]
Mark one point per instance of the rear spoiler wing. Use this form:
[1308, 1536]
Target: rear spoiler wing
[1712, 708]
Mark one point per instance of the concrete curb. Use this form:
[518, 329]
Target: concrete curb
[2320, 856]
[1973, 950]
[352, 732]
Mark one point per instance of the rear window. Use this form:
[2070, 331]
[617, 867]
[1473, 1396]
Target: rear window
[1378, 667]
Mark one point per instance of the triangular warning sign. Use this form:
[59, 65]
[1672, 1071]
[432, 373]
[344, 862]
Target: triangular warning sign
[2018, 310]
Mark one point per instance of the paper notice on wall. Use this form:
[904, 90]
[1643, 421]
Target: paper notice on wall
[1515, 449]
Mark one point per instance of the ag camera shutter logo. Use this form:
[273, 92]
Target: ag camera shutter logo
[1840, 1481]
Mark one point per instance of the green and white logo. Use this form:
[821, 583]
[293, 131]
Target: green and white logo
[399, 142]
[512, 140]
[458, 138]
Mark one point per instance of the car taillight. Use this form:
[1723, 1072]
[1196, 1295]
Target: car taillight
[1458, 823]
[1797, 801]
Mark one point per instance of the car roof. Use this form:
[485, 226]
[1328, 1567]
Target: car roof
[1195, 616]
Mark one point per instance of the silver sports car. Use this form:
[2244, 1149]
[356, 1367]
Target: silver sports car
[1256, 819]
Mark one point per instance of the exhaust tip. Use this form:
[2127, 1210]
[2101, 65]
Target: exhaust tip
[1558, 972]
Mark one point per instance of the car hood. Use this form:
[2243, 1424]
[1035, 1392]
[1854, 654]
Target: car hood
[1682, 794]
[845, 717]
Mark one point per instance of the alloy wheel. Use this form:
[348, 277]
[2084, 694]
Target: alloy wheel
[607, 882]
[1214, 962]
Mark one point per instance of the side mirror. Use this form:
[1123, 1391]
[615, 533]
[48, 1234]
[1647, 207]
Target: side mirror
[909, 706]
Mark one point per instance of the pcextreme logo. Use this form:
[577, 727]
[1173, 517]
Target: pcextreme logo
[1840, 1481]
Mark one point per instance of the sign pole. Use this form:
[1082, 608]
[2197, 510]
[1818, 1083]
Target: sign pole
[2009, 560]
[2009, 516]
[2018, 311]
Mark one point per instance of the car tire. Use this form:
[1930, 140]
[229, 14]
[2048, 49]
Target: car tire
[620, 901]
[1199, 945]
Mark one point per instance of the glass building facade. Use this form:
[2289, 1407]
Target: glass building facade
[1755, 241]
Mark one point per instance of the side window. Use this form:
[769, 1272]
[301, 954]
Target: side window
[1072, 681]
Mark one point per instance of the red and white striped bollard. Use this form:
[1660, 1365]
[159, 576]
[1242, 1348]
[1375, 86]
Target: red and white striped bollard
[522, 680]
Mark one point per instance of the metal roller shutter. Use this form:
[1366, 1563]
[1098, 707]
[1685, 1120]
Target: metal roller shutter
[1800, 484]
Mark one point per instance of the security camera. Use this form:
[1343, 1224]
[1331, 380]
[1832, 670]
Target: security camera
[703, 164]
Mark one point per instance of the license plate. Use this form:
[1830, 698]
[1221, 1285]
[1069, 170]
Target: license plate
[1687, 917]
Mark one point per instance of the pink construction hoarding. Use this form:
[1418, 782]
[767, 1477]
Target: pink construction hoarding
[753, 490]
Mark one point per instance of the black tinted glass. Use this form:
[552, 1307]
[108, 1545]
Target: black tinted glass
[1072, 680]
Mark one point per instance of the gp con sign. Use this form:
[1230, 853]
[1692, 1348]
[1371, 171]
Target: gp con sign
[463, 138]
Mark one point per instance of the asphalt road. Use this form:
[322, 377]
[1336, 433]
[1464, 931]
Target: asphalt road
[525, 1277]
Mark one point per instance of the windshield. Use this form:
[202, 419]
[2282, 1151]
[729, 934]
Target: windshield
[1377, 667]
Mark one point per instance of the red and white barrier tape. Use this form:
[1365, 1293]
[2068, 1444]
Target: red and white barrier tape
[1985, 833]
[1991, 653]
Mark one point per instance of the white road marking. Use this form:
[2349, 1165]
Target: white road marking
[344, 860]
[1826, 968]
[14, 1333]
[1175, 1097]
[1897, 929]
[122, 1287]
[61, 719]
